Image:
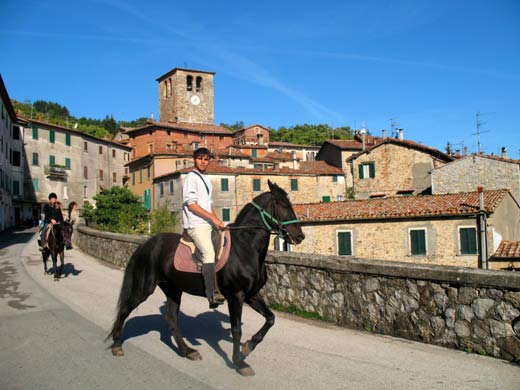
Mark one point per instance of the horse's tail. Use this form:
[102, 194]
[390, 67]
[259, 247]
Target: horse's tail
[132, 290]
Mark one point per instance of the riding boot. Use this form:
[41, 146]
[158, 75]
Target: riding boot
[215, 298]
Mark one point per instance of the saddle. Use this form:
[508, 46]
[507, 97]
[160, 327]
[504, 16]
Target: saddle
[187, 257]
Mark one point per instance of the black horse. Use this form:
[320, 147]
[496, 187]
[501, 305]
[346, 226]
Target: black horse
[58, 239]
[240, 280]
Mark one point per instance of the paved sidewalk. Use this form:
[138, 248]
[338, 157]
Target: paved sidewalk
[296, 354]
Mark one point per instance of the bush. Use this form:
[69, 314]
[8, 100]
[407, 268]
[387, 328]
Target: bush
[119, 210]
[162, 220]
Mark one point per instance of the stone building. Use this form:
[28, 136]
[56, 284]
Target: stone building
[74, 165]
[469, 172]
[251, 135]
[233, 188]
[430, 229]
[12, 207]
[394, 167]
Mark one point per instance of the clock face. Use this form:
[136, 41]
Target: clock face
[195, 100]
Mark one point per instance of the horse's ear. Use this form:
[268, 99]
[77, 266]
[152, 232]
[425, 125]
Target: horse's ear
[276, 190]
[272, 186]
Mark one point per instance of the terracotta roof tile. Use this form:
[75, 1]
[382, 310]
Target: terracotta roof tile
[313, 169]
[197, 127]
[508, 249]
[400, 207]
[346, 144]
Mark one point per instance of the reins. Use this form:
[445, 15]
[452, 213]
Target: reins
[265, 215]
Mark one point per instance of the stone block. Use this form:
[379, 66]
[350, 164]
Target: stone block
[482, 306]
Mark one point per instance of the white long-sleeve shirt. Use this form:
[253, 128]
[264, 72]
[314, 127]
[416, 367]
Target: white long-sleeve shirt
[194, 191]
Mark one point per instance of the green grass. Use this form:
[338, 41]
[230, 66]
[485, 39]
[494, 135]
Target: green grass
[299, 312]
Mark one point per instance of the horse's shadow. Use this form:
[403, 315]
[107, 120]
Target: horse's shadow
[205, 326]
[68, 270]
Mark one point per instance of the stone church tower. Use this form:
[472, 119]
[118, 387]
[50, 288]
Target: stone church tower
[186, 95]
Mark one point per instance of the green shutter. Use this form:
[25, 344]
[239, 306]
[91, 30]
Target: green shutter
[35, 159]
[52, 136]
[256, 184]
[372, 169]
[35, 132]
[140, 175]
[225, 215]
[16, 188]
[468, 241]
[147, 200]
[36, 185]
[335, 178]
[294, 184]
[325, 199]
[344, 243]
[224, 185]
[133, 178]
[148, 172]
[67, 162]
[418, 242]
[360, 167]
[52, 160]
[67, 139]
[253, 153]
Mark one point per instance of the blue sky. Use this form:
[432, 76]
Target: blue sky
[431, 65]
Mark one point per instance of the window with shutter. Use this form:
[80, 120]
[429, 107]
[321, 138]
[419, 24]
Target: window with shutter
[344, 243]
[468, 241]
[417, 242]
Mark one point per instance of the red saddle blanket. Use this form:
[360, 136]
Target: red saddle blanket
[183, 260]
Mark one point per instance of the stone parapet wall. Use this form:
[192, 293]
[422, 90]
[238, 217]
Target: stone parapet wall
[467, 309]
[114, 248]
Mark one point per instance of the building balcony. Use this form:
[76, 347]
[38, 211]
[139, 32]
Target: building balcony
[58, 172]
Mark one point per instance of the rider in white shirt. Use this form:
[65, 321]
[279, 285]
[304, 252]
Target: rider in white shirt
[199, 219]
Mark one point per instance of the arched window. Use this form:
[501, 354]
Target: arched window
[198, 84]
[169, 87]
[189, 83]
[165, 89]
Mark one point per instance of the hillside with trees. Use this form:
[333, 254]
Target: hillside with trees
[55, 113]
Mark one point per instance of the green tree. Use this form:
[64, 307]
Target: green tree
[311, 134]
[119, 210]
[239, 125]
[162, 220]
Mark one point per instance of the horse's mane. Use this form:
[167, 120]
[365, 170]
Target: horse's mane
[242, 214]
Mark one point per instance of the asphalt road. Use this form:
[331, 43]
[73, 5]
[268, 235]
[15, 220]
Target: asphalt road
[52, 337]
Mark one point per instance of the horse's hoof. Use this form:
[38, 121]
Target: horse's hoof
[117, 351]
[194, 355]
[246, 349]
[245, 370]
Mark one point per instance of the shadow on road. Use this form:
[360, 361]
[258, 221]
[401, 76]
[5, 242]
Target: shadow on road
[207, 326]
[16, 236]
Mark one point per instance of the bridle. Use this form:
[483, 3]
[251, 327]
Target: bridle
[271, 223]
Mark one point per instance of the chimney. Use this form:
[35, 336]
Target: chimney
[504, 152]
[465, 150]
[383, 134]
[401, 135]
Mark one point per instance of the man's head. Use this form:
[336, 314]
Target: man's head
[201, 157]
[52, 198]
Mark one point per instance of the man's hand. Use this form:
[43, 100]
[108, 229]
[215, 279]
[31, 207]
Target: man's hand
[53, 221]
[217, 222]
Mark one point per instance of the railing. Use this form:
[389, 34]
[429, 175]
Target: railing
[56, 171]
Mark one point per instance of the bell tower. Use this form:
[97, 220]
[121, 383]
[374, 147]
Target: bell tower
[186, 95]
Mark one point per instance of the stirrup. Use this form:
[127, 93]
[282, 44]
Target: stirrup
[216, 300]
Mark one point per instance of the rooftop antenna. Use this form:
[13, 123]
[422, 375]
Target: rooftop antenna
[393, 125]
[479, 125]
